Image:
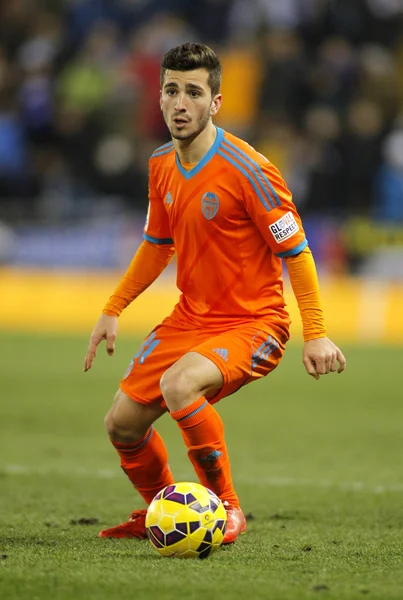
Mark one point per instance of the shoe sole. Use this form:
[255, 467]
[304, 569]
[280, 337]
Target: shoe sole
[121, 537]
[233, 541]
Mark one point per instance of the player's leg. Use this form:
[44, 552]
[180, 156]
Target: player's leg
[138, 404]
[129, 423]
[186, 387]
[143, 457]
[217, 367]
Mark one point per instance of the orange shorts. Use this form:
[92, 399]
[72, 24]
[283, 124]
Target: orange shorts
[243, 354]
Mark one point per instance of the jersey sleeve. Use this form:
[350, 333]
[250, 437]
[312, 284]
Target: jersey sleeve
[269, 203]
[156, 229]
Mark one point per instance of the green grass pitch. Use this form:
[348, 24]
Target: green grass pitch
[318, 465]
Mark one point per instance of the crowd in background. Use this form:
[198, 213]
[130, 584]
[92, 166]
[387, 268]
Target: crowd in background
[315, 85]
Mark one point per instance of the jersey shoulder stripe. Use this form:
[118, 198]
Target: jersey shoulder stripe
[266, 184]
[244, 168]
[165, 149]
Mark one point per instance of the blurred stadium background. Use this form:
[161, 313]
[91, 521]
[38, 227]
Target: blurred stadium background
[316, 85]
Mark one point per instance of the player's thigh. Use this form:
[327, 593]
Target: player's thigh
[159, 351]
[244, 354]
[189, 378]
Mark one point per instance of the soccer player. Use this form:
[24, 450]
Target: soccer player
[227, 213]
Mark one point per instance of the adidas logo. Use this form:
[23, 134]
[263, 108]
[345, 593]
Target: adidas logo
[212, 457]
[169, 199]
[223, 352]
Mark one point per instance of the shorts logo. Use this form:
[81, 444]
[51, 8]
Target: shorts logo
[222, 352]
[210, 205]
[284, 228]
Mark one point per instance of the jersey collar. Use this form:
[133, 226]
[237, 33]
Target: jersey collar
[206, 158]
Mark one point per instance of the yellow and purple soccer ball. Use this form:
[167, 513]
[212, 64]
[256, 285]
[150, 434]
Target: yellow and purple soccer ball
[186, 520]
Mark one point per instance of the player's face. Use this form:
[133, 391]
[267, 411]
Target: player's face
[186, 102]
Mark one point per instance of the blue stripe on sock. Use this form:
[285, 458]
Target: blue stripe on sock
[194, 412]
[146, 439]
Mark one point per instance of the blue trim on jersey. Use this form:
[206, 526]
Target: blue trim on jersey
[253, 172]
[256, 166]
[154, 240]
[249, 177]
[202, 163]
[164, 146]
[163, 150]
[194, 412]
[293, 251]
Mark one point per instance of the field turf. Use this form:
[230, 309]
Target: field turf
[318, 467]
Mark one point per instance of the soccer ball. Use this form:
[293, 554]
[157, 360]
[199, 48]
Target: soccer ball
[186, 520]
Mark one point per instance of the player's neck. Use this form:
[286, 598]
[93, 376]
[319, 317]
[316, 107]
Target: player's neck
[192, 151]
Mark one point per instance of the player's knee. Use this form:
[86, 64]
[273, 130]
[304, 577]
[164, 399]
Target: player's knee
[115, 430]
[121, 430]
[177, 389]
[109, 423]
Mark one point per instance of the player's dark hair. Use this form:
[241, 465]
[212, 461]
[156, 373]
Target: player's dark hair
[188, 57]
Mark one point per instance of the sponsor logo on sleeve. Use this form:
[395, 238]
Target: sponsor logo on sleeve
[284, 228]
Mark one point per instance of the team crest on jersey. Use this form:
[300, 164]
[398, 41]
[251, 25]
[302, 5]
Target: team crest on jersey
[210, 205]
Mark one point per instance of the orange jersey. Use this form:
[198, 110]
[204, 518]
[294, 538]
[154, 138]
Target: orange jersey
[231, 219]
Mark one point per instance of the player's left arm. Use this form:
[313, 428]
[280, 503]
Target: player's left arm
[269, 203]
[320, 355]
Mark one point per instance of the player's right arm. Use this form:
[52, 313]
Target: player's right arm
[150, 260]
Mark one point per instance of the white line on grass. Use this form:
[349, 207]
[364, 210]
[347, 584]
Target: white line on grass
[355, 486]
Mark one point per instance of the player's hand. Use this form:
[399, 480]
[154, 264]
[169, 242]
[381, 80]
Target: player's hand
[320, 356]
[105, 329]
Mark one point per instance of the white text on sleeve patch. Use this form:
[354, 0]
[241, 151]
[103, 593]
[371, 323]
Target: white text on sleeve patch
[284, 228]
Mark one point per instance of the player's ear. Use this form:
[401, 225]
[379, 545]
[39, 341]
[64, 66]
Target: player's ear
[215, 105]
[161, 99]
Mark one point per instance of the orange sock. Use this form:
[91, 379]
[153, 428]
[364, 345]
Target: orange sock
[146, 464]
[203, 432]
